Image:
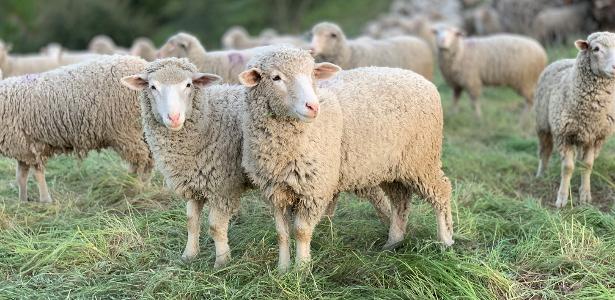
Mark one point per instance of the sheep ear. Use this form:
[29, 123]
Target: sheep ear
[135, 82]
[459, 33]
[250, 77]
[325, 70]
[204, 79]
[581, 45]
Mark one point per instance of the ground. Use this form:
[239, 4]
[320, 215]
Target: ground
[105, 239]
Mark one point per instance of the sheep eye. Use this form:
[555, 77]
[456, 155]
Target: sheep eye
[596, 49]
[188, 85]
[333, 35]
[276, 78]
[153, 87]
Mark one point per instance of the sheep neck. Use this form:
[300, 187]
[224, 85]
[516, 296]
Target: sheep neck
[591, 88]
[449, 57]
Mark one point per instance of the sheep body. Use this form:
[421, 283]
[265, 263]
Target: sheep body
[575, 108]
[555, 24]
[15, 65]
[73, 109]
[299, 166]
[144, 48]
[330, 44]
[498, 60]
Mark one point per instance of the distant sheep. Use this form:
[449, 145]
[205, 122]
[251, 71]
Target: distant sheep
[102, 44]
[330, 44]
[555, 24]
[144, 48]
[503, 59]
[238, 38]
[15, 65]
[303, 145]
[73, 109]
[575, 109]
[227, 64]
[65, 57]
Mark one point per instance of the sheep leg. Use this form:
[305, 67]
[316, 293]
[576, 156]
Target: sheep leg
[474, 97]
[567, 155]
[218, 229]
[400, 209]
[39, 175]
[588, 160]
[304, 225]
[545, 148]
[442, 207]
[23, 171]
[193, 211]
[330, 212]
[377, 197]
[281, 217]
[456, 95]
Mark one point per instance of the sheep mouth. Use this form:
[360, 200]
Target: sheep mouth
[306, 118]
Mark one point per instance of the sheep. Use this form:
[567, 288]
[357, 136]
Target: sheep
[144, 48]
[102, 44]
[486, 20]
[227, 64]
[73, 109]
[238, 37]
[303, 144]
[66, 57]
[575, 109]
[15, 65]
[503, 59]
[330, 44]
[555, 24]
[195, 136]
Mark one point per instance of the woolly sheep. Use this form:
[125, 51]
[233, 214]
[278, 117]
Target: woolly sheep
[555, 24]
[15, 65]
[302, 146]
[102, 44]
[144, 48]
[195, 136]
[227, 64]
[330, 44]
[238, 37]
[73, 109]
[575, 108]
[503, 59]
[66, 57]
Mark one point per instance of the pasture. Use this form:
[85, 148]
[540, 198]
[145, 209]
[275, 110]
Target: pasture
[108, 237]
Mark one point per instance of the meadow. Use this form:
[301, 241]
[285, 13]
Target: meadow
[108, 237]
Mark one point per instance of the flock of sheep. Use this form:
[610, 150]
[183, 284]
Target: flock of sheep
[290, 122]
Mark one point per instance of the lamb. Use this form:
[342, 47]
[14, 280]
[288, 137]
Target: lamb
[73, 109]
[555, 24]
[575, 109]
[15, 65]
[144, 48]
[195, 136]
[303, 144]
[227, 64]
[330, 44]
[503, 59]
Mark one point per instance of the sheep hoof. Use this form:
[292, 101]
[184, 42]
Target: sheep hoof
[188, 258]
[390, 246]
[222, 261]
[283, 268]
[46, 200]
[585, 197]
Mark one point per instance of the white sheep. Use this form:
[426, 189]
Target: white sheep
[195, 136]
[238, 37]
[73, 109]
[330, 44]
[102, 44]
[144, 48]
[367, 127]
[15, 65]
[497, 60]
[555, 24]
[66, 57]
[575, 109]
[227, 64]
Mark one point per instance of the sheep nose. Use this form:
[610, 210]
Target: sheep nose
[313, 107]
[174, 117]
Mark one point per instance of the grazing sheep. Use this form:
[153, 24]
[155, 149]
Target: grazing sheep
[330, 44]
[555, 24]
[503, 59]
[302, 146]
[227, 64]
[15, 65]
[575, 109]
[195, 136]
[73, 109]
[144, 48]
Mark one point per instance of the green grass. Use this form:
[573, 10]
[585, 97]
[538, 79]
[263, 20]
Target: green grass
[105, 237]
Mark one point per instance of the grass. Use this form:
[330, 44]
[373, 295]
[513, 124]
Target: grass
[106, 237]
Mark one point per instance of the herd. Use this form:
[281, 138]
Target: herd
[298, 121]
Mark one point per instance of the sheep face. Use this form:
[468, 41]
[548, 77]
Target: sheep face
[288, 82]
[327, 39]
[176, 46]
[447, 37]
[170, 92]
[599, 49]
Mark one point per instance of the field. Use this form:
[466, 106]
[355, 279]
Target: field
[108, 237]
